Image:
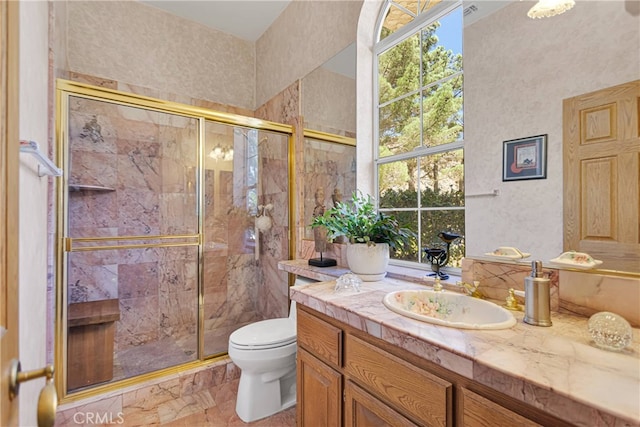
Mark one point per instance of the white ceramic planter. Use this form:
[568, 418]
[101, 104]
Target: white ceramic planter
[368, 262]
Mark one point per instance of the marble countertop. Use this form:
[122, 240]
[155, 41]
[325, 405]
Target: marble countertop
[557, 368]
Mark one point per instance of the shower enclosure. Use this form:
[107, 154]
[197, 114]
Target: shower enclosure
[163, 249]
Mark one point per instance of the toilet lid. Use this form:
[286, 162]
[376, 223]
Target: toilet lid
[266, 333]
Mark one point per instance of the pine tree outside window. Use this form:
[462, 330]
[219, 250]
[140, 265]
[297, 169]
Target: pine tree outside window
[419, 160]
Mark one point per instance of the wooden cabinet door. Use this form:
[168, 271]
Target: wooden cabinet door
[9, 181]
[319, 392]
[413, 391]
[363, 410]
[601, 162]
[478, 411]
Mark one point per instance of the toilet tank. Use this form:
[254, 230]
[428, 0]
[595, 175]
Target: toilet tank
[299, 281]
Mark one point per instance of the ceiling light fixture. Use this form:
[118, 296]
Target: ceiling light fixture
[548, 8]
[220, 153]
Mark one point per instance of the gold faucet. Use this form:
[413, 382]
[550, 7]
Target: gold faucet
[511, 303]
[472, 290]
[437, 286]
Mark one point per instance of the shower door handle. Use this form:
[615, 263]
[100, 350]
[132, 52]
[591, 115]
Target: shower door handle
[48, 400]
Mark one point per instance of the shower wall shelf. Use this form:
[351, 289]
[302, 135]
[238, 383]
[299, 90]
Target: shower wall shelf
[81, 187]
[32, 147]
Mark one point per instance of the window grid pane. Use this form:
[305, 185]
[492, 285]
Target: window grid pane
[442, 118]
[399, 126]
[434, 222]
[396, 18]
[399, 69]
[426, 190]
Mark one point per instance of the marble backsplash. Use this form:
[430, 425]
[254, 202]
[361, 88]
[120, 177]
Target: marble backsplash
[577, 292]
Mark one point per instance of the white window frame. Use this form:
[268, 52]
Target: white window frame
[419, 22]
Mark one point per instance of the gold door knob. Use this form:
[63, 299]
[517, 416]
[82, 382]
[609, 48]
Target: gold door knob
[47, 405]
[48, 400]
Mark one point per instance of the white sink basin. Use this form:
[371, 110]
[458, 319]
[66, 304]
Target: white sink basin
[449, 309]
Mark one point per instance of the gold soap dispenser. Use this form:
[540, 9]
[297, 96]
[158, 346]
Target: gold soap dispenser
[537, 297]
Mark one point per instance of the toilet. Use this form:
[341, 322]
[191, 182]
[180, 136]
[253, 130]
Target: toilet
[265, 352]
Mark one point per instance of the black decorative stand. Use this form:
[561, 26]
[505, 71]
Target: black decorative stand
[438, 257]
[322, 262]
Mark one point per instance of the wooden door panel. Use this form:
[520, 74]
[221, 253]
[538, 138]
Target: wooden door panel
[629, 212]
[599, 198]
[9, 161]
[319, 392]
[601, 154]
[598, 124]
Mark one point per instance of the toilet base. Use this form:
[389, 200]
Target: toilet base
[259, 397]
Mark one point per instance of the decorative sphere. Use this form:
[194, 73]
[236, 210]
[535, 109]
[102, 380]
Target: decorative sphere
[610, 331]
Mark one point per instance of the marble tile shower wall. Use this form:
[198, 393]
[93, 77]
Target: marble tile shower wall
[335, 170]
[273, 291]
[240, 286]
[282, 108]
[230, 270]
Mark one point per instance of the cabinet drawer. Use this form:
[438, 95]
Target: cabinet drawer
[320, 338]
[478, 411]
[411, 390]
[362, 409]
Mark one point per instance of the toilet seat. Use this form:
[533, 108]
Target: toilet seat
[265, 334]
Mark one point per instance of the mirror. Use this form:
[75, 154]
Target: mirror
[505, 24]
[328, 98]
[329, 95]
[329, 174]
[517, 73]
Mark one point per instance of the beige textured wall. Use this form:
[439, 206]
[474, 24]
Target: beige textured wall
[329, 101]
[131, 42]
[303, 37]
[517, 72]
[34, 88]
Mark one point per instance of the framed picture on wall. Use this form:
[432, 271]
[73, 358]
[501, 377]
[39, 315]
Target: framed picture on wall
[524, 158]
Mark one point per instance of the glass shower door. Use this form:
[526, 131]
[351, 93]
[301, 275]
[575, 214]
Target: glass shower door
[246, 223]
[132, 236]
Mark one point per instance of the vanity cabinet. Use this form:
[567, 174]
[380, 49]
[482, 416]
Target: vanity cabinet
[346, 377]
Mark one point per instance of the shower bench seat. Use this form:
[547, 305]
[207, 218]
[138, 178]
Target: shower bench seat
[90, 342]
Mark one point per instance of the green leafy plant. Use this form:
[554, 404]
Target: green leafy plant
[359, 222]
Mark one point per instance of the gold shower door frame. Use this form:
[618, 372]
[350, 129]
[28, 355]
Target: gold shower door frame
[65, 245]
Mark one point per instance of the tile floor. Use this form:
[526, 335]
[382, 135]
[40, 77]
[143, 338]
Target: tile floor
[224, 415]
[173, 403]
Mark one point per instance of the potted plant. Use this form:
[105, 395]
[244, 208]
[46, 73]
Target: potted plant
[370, 235]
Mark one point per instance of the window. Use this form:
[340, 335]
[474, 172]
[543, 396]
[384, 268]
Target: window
[419, 163]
